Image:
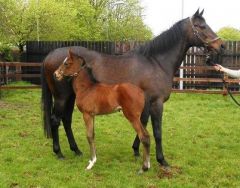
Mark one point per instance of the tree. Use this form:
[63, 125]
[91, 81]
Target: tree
[29, 20]
[24, 20]
[125, 21]
[16, 22]
[229, 33]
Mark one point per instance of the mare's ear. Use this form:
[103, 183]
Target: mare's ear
[201, 13]
[196, 13]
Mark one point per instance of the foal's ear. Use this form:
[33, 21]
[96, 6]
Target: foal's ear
[70, 53]
[83, 60]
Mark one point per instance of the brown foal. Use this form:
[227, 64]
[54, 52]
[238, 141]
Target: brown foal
[96, 99]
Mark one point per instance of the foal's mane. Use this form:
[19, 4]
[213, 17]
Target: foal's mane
[163, 42]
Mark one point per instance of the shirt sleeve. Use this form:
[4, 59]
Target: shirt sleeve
[232, 73]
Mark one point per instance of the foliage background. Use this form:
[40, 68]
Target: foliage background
[106, 20]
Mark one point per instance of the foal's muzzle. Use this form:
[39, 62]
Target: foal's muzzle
[57, 76]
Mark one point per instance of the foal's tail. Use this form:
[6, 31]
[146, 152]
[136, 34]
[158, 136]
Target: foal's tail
[47, 104]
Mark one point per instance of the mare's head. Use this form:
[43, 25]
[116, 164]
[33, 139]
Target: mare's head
[70, 67]
[200, 34]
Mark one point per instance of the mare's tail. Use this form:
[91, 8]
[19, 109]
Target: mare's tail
[47, 104]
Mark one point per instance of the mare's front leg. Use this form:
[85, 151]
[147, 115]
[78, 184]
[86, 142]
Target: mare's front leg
[144, 120]
[67, 122]
[89, 123]
[156, 112]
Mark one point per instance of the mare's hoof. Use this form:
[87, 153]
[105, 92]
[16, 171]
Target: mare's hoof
[60, 156]
[78, 153]
[136, 153]
[164, 164]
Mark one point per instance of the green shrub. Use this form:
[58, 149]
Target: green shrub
[5, 51]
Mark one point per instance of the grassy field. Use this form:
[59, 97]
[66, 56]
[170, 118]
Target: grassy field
[201, 138]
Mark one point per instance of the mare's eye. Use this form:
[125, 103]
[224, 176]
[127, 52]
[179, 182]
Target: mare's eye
[202, 26]
[66, 63]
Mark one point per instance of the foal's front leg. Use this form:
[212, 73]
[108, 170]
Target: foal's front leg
[89, 123]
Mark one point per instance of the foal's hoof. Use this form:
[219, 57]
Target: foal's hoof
[142, 170]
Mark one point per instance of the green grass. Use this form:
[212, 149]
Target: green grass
[201, 138]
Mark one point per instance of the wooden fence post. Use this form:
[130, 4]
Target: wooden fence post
[224, 85]
[18, 73]
[6, 73]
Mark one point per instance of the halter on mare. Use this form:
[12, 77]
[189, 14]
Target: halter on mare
[197, 34]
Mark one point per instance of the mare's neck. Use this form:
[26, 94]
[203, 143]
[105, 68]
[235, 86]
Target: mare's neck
[172, 59]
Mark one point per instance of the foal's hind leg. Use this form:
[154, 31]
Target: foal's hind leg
[144, 120]
[89, 122]
[142, 133]
[145, 140]
[67, 122]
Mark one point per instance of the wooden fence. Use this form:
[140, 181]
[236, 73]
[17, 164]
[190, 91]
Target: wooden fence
[13, 72]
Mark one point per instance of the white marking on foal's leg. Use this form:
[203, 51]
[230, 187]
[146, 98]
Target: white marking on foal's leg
[148, 162]
[91, 163]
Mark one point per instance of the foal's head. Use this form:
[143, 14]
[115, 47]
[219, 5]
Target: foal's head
[70, 67]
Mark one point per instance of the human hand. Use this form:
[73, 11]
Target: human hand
[218, 67]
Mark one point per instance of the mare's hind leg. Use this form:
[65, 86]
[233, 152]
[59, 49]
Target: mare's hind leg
[67, 122]
[144, 121]
[57, 115]
[55, 122]
[89, 123]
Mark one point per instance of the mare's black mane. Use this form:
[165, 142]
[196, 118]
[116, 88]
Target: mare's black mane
[163, 42]
[90, 74]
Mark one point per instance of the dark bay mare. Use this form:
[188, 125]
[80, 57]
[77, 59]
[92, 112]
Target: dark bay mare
[151, 67]
[98, 98]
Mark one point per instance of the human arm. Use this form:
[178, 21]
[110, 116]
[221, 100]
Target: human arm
[229, 72]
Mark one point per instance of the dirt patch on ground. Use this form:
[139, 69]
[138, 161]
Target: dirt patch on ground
[9, 105]
[4, 104]
[169, 172]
